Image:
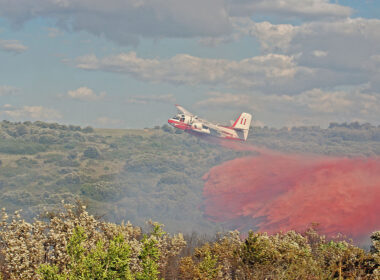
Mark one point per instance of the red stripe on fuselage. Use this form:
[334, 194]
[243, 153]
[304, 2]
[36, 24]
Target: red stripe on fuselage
[179, 125]
[187, 128]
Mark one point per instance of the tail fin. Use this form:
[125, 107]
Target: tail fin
[242, 124]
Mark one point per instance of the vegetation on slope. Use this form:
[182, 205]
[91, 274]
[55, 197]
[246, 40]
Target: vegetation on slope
[140, 174]
[122, 174]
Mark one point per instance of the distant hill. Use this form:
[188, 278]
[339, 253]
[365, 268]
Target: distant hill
[141, 174]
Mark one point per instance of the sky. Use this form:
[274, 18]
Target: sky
[125, 63]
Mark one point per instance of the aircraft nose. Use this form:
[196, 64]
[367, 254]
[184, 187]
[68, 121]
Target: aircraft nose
[171, 122]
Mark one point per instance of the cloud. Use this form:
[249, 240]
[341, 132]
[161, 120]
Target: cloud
[109, 122]
[346, 43]
[145, 99]
[305, 9]
[319, 53]
[315, 101]
[85, 94]
[12, 46]
[125, 21]
[268, 72]
[226, 100]
[8, 90]
[271, 73]
[54, 32]
[339, 52]
[322, 107]
[31, 113]
[314, 106]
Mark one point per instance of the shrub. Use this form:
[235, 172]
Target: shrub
[167, 128]
[21, 130]
[72, 243]
[47, 139]
[21, 147]
[91, 152]
[101, 262]
[101, 191]
[88, 129]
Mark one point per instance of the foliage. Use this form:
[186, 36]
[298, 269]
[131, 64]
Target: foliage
[88, 129]
[135, 174]
[150, 255]
[100, 263]
[167, 128]
[122, 174]
[21, 148]
[71, 244]
[206, 268]
[91, 152]
[287, 255]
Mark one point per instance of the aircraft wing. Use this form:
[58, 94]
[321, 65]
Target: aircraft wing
[184, 111]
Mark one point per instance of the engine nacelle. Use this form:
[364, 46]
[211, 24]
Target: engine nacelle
[199, 127]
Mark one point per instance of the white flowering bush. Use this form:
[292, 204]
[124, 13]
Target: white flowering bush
[61, 243]
[72, 244]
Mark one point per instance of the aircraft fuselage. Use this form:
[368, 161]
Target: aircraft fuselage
[194, 125]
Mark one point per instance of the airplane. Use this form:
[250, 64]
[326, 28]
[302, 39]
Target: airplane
[192, 124]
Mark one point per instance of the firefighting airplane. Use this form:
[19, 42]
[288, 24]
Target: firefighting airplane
[186, 121]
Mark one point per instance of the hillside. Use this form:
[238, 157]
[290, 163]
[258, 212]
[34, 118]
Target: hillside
[136, 175]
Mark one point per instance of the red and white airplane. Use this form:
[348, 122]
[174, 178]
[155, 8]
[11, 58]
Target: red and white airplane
[186, 121]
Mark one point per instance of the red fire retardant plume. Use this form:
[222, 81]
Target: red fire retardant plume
[280, 192]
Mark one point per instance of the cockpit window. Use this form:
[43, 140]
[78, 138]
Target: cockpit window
[179, 117]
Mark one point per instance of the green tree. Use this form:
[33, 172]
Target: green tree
[99, 263]
[150, 254]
